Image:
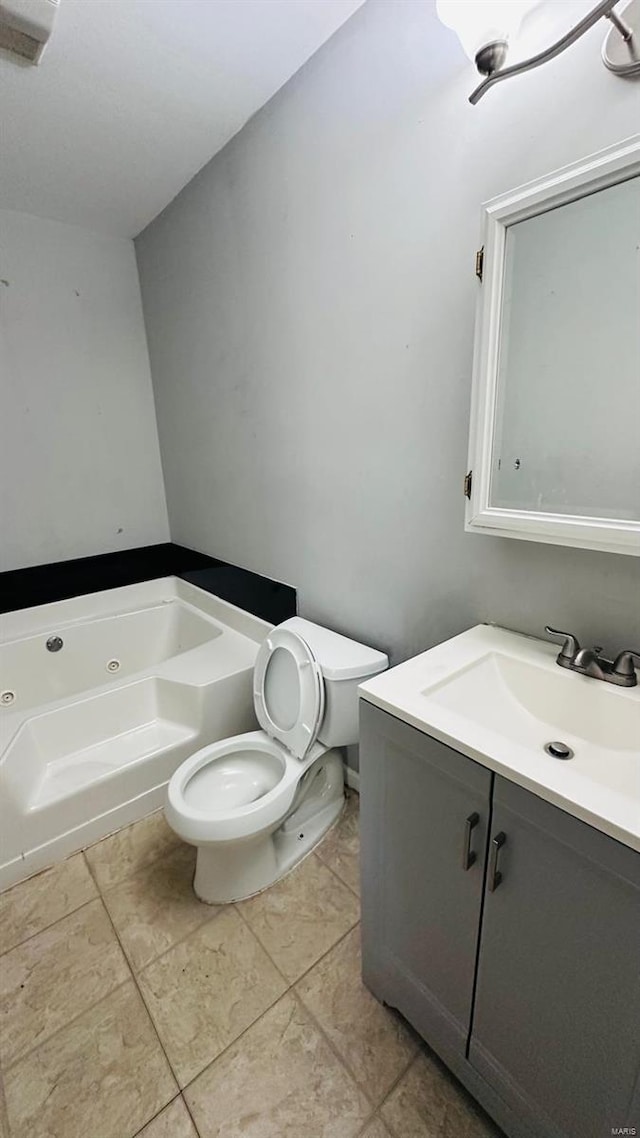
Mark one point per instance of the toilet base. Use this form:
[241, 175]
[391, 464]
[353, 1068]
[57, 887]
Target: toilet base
[233, 871]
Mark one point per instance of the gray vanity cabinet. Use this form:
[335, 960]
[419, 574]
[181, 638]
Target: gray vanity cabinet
[556, 1023]
[520, 967]
[425, 812]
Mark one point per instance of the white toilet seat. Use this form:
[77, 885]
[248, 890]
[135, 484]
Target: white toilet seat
[232, 805]
[288, 691]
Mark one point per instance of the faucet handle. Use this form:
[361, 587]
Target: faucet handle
[623, 663]
[570, 647]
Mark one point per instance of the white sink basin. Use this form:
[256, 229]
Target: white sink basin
[500, 698]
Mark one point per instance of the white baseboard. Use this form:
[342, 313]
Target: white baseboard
[352, 778]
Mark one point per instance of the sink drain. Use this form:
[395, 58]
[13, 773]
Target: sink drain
[7, 697]
[558, 750]
[113, 666]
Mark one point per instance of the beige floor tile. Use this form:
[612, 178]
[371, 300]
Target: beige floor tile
[35, 904]
[374, 1041]
[173, 1122]
[103, 1076]
[157, 907]
[302, 917]
[376, 1129]
[429, 1103]
[281, 1080]
[119, 856]
[55, 976]
[4, 1121]
[204, 992]
[340, 850]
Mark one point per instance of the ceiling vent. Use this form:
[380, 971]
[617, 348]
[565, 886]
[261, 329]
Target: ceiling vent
[25, 26]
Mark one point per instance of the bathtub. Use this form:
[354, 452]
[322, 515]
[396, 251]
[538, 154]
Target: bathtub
[91, 732]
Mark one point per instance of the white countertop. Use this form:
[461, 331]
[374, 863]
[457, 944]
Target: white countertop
[498, 697]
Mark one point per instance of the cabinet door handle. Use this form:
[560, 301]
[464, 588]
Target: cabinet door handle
[495, 877]
[468, 856]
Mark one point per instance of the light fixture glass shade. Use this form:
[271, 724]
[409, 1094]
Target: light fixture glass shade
[480, 22]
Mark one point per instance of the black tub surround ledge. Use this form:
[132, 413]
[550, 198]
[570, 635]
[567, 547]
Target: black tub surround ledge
[44, 584]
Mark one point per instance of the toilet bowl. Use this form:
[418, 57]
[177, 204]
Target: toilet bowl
[256, 803]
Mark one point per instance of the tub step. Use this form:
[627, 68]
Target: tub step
[65, 775]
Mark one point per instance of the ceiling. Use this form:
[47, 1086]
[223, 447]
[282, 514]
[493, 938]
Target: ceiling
[133, 97]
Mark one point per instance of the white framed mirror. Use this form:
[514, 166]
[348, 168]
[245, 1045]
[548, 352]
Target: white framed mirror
[555, 417]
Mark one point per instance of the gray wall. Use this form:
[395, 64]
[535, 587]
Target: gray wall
[80, 465]
[309, 302]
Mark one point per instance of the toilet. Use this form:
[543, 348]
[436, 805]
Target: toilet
[255, 804]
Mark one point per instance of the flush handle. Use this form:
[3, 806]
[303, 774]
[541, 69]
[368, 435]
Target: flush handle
[468, 855]
[495, 877]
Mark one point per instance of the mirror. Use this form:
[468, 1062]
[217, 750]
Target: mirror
[555, 446]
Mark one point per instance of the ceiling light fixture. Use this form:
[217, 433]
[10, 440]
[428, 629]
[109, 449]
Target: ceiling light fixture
[486, 27]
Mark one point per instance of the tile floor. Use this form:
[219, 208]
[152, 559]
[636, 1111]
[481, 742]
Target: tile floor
[128, 1008]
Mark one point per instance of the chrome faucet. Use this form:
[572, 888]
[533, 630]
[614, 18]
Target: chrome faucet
[589, 662]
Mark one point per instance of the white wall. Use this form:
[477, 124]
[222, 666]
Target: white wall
[309, 302]
[80, 464]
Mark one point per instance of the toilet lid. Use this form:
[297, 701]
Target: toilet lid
[288, 692]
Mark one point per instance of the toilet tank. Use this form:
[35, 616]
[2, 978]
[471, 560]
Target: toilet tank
[344, 664]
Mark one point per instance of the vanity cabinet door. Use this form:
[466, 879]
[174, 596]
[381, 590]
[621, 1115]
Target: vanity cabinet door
[424, 813]
[556, 1026]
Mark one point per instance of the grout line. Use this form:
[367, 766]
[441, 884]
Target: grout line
[213, 912]
[5, 1067]
[151, 1019]
[340, 1058]
[325, 954]
[164, 1051]
[232, 1044]
[161, 1111]
[184, 1102]
[164, 855]
[90, 872]
[47, 928]
[254, 934]
[391, 1090]
[289, 990]
[372, 1118]
[339, 878]
[345, 1063]
[288, 982]
[134, 872]
[188, 1110]
[45, 1042]
[138, 989]
[292, 989]
[138, 970]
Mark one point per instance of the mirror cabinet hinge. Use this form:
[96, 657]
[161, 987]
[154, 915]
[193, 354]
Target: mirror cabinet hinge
[479, 263]
[467, 484]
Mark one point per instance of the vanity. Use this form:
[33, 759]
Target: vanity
[500, 792]
[500, 815]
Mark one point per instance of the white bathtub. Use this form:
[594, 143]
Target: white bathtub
[91, 734]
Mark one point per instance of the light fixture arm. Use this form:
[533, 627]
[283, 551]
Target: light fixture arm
[604, 8]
